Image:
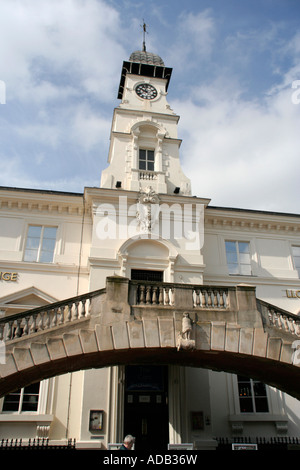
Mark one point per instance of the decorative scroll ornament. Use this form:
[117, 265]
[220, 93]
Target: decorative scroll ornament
[184, 340]
[147, 209]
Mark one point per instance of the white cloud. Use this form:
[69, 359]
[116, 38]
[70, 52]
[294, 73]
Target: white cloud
[89, 129]
[195, 36]
[243, 154]
[41, 41]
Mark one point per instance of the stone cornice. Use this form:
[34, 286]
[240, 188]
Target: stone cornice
[251, 220]
[40, 201]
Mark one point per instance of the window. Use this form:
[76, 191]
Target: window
[252, 396]
[296, 258]
[146, 160]
[40, 244]
[25, 399]
[238, 257]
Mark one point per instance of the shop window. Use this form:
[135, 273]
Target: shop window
[296, 258]
[40, 244]
[22, 400]
[252, 396]
[238, 257]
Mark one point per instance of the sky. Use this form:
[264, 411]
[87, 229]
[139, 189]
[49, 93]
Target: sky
[235, 85]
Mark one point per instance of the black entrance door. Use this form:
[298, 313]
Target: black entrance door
[146, 407]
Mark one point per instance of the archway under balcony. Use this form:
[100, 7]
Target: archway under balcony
[113, 328]
[282, 376]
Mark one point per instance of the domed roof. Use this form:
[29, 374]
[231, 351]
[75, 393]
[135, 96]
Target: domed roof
[145, 57]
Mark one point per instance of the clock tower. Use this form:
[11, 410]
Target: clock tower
[144, 146]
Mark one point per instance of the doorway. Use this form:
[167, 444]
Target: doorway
[146, 414]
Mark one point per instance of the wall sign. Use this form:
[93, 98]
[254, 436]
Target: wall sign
[96, 420]
[7, 276]
[293, 294]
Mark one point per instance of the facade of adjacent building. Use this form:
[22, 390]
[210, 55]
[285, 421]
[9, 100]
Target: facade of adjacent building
[57, 245]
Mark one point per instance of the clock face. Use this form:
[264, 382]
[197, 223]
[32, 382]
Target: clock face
[146, 91]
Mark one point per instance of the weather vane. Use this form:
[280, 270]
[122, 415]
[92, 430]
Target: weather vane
[144, 35]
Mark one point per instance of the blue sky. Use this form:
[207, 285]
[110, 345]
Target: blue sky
[234, 63]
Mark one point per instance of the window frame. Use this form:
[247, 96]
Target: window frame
[253, 396]
[22, 395]
[146, 159]
[296, 257]
[41, 240]
[239, 254]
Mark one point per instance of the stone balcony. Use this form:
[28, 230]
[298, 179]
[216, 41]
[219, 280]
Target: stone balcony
[224, 328]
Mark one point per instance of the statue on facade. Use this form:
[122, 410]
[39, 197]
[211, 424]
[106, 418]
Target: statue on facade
[184, 340]
[148, 209]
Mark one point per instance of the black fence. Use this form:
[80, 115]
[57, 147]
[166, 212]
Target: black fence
[34, 444]
[262, 443]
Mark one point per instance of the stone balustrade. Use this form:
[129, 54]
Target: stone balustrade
[132, 320]
[164, 294]
[147, 175]
[278, 319]
[46, 317]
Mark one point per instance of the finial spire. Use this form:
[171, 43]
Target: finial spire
[144, 34]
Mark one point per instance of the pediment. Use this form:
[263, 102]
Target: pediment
[25, 299]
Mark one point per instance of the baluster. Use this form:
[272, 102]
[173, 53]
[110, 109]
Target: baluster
[89, 309]
[61, 315]
[26, 326]
[33, 324]
[18, 329]
[76, 314]
[54, 319]
[142, 294]
[221, 299]
[69, 316]
[202, 298]
[291, 326]
[9, 330]
[197, 302]
[161, 296]
[278, 320]
[172, 296]
[83, 307]
[217, 299]
[226, 299]
[154, 296]
[167, 298]
[271, 318]
[148, 295]
[208, 298]
[47, 322]
[41, 322]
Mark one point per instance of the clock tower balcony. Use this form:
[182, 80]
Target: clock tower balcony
[140, 179]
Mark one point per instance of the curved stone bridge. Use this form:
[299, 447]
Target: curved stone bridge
[132, 322]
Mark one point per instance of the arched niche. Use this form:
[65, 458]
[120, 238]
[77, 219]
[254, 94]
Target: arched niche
[147, 135]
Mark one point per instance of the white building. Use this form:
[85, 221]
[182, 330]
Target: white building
[57, 245]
